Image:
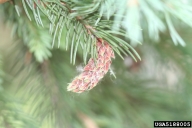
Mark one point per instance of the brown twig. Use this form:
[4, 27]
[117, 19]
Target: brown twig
[3, 1]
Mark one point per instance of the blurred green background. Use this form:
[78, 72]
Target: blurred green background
[34, 95]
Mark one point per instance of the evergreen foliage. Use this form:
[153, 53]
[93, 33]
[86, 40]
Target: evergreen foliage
[51, 37]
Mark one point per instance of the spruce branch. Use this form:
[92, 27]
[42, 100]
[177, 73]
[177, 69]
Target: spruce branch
[44, 94]
[37, 39]
[80, 24]
[81, 30]
[129, 14]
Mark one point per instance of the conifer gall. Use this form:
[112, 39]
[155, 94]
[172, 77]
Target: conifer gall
[93, 72]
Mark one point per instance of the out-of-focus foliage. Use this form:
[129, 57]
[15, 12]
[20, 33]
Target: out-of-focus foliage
[135, 99]
[158, 15]
[11, 109]
[1, 72]
[33, 94]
